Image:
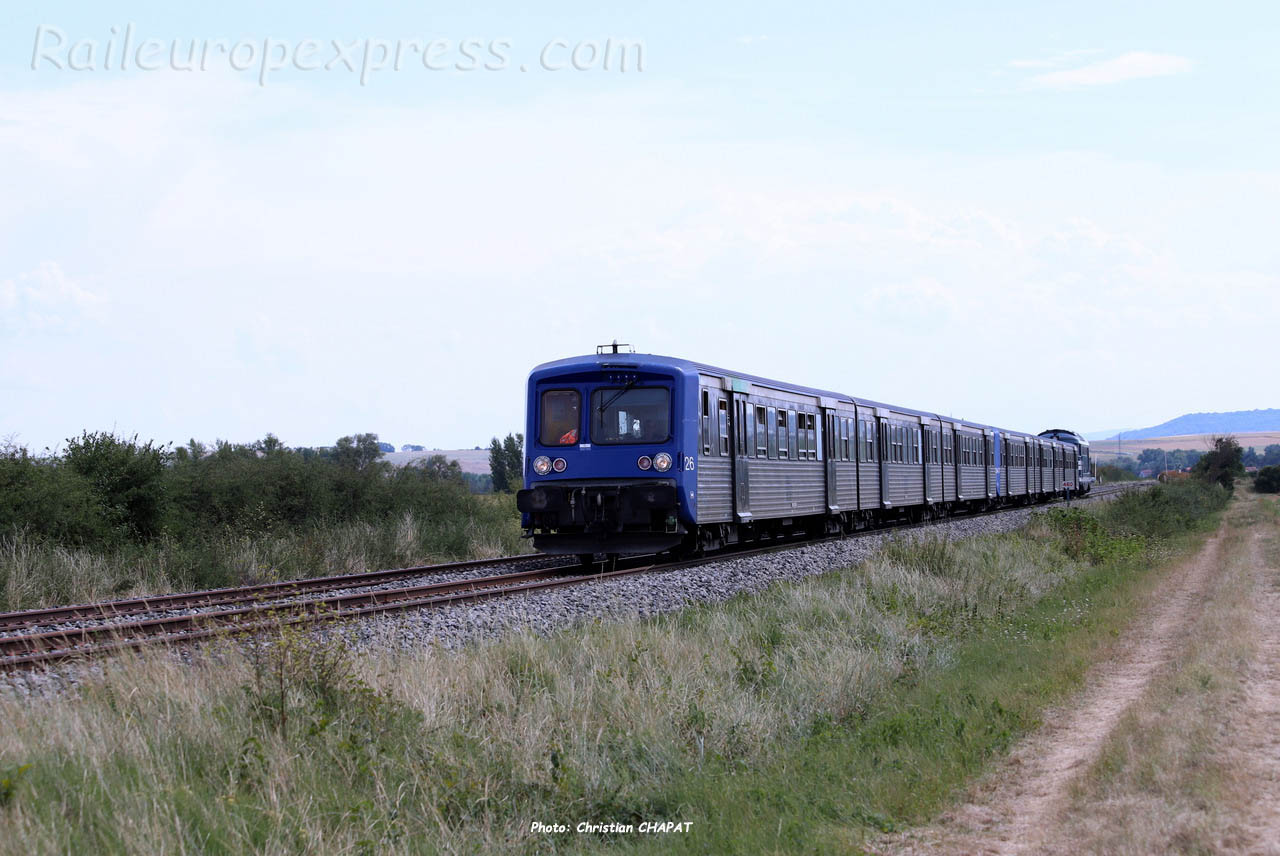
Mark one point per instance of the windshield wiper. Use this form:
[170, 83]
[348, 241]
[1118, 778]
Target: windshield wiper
[602, 408]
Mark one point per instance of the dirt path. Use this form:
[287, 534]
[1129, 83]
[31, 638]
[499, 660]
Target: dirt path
[1014, 809]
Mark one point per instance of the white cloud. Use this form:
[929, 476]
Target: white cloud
[1057, 60]
[1134, 65]
[45, 299]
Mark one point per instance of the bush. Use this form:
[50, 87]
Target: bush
[112, 515]
[1268, 480]
[1165, 509]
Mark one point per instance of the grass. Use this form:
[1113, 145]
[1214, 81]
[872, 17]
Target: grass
[798, 719]
[35, 573]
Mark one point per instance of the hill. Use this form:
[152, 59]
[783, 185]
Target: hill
[1105, 450]
[1234, 422]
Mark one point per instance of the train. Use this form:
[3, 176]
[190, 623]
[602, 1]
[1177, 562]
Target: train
[630, 453]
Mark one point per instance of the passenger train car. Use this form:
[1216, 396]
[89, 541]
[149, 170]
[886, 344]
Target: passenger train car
[635, 453]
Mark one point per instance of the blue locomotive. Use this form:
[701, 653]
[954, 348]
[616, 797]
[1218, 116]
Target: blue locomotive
[636, 453]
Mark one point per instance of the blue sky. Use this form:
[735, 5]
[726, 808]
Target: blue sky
[940, 206]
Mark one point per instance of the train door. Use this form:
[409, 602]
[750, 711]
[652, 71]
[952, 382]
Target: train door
[830, 444]
[986, 461]
[743, 432]
[882, 434]
[926, 448]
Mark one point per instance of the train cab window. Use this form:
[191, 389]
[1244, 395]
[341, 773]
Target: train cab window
[771, 434]
[631, 415]
[783, 448]
[762, 433]
[722, 409]
[561, 417]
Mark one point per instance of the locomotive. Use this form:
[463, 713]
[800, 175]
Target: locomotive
[636, 453]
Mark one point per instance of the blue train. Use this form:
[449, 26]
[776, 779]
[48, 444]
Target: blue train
[635, 453]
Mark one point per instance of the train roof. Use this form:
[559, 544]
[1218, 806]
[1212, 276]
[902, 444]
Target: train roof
[649, 362]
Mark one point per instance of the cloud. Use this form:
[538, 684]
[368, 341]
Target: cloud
[1134, 65]
[1058, 60]
[45, 299]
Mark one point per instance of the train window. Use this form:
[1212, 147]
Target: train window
[782, 436]
[916, 457]
[812, 427]
[772, 435]
[561, 417]
[860, 438]
[791, 433]
[802, 438]
[722, 409]
[740, 414]
[630, 415]
[762, 433]
[844, 439]
[706, 422]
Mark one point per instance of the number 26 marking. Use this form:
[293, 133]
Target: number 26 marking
[688, 463]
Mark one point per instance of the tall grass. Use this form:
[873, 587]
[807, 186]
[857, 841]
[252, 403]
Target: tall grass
[35, 572]
[733, 715]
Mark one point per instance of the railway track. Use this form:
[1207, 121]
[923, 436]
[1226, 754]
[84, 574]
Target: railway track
[43, 636]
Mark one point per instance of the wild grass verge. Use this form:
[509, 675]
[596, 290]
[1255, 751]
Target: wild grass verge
[796, 719]
[35, 572]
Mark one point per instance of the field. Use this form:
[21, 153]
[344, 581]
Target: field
[1108, 450]
[807, 717]
[471, 460]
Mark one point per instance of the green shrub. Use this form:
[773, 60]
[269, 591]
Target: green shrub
[1268, 480]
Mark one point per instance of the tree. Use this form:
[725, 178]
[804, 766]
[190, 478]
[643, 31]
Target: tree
[513, 452]
[498, 467]
[1221, 465]
[506, 463]
[440, 467]
[1268, 480]
[358, 452]
[1271, 455]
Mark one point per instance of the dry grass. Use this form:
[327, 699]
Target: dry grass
[34, 574]
[456, 752]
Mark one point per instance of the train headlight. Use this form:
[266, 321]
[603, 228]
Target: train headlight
[662, 462]
[559, 465]
[542, 465]
[645, 462]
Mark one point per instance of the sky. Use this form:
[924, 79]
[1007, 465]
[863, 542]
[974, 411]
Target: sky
[313, 220]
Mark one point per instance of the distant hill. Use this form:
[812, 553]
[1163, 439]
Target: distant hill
[1235, 422]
